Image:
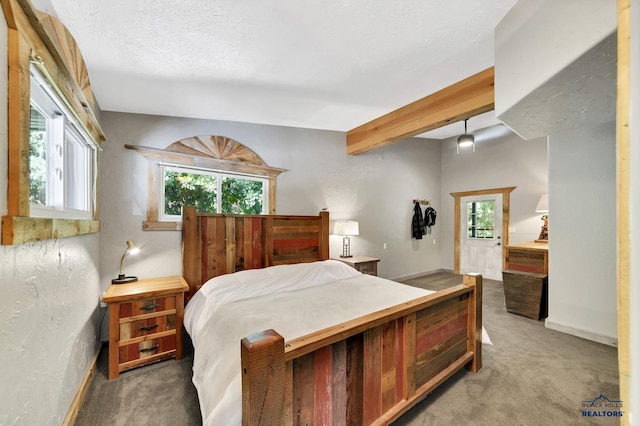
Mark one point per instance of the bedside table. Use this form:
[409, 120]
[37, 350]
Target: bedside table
[145, 322]
[366, 265]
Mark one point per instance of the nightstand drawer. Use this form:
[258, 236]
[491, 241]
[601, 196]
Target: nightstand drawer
[130, 329]
[147, 306]
[370, 268]
[145, 350]
[363, 264]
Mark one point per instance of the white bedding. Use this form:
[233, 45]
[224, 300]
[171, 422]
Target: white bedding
[294, 300]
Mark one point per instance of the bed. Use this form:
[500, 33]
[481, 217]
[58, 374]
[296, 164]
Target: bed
[283, 335]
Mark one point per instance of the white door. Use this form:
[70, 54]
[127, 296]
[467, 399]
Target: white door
[480, 236]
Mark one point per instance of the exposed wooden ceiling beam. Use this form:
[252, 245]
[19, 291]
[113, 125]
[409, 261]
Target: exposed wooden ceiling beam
[467, 98]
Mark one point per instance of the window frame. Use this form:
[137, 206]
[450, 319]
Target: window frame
[473, 227]
[34, 37]
[241, 162]
[62, 130]
[219, 174]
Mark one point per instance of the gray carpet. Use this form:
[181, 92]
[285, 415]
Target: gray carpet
[530, 376]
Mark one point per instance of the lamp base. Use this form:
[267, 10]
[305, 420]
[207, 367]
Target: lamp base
[349, 255]
[123, 280]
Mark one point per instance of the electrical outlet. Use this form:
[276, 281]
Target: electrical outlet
[102, 304]
[384, 246]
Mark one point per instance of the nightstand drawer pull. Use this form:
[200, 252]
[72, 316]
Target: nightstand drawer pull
[150, 307]
[151, 349]
[148, 327]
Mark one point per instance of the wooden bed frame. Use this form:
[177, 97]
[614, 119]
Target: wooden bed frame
[366, 371]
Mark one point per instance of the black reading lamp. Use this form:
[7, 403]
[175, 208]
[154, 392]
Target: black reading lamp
[133, 249]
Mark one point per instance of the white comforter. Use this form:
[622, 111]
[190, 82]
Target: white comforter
[294, 300]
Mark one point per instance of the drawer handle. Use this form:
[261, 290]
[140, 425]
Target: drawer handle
[151, 349]
[150, 307]
[148, 327]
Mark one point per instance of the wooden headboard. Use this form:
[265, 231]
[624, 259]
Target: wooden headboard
[217, 244]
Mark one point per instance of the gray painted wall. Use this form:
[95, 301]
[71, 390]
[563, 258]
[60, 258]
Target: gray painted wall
[375, 188]
[582, 227]
[582, 250]
[503, 161]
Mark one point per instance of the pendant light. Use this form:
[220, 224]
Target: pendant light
[465, 140]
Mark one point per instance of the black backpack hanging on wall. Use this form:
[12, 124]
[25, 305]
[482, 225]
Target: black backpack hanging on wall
[429, 219]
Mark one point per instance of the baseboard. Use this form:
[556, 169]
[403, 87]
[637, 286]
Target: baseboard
[418, 275]
[584, 334]
[72, 414]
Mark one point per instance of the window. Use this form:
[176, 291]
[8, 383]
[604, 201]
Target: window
[61, 157]
[53, 132]
[480, 219]
[210, 191]
[214, 173]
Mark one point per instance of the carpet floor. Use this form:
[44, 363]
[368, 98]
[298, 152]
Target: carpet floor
[531, 376]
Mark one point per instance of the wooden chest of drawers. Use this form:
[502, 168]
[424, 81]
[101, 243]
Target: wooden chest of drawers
[525, 279]
[145, 322]
[528, 257]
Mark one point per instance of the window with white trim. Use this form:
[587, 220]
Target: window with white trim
[481, 219]
[62, 157]
[211, 191]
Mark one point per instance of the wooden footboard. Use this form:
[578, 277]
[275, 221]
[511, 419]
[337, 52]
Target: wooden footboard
[366, 371]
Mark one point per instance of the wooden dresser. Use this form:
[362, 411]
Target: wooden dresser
[145, 322]
[364, 264]
[525, 279]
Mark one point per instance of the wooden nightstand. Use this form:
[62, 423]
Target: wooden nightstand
[366, 265]
[145, 322]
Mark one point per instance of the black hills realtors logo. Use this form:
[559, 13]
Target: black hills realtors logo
[601, 406]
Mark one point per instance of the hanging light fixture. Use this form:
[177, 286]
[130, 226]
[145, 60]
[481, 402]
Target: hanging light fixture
[465, 140]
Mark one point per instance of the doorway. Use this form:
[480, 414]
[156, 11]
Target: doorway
[481, 231]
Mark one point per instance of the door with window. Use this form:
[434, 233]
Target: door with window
[480, 235]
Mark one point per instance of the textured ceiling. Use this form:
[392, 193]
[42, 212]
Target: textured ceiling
[315, 64]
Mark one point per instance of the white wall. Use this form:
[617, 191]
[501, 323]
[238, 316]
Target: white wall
[48, 311]
[375, 188]
[582, 227]
[534, 41]
[501, 162]
[582, 251]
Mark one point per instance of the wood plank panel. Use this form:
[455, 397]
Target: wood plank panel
[467, 98]
[372, 375]
[409, 355]
[388, 366]
[322, 413]
[268, 242]
[429, 366]
[434, 335]
[303, 390]
[294, 242]
[339, 383]
[354, 384]
[230, 245]
[400, 359]
[257, 244]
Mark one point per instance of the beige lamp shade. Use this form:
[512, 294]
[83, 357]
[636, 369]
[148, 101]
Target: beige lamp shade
[543, 204]
[346, 227]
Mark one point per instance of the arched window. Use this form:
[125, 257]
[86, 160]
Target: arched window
[215, 173]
